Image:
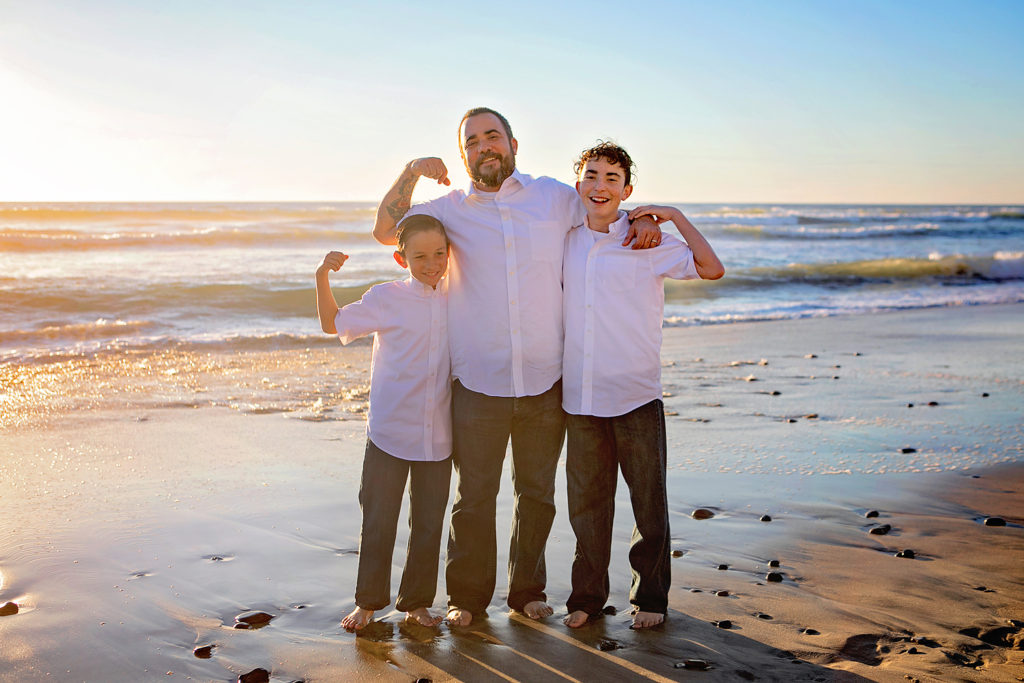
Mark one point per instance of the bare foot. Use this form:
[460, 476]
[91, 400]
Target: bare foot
[459, 617]
[423, 617]
[357, 619]
[576, 619]
[537, 609]
[647, 619]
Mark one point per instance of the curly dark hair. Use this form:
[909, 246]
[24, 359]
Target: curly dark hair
[418, 223]
[610, 152]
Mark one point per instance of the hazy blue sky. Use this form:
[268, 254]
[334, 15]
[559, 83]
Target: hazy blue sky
[870, 101]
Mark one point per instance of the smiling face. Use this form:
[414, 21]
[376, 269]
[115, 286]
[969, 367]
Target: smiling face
[602, 187]
[426, 256]
[487, 151]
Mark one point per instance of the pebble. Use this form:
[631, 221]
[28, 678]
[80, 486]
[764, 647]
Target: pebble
[871, 514]
[933, 403]
[693, 665]
[810, 632]
[724, 623]
[908, 554]
[677, 553]
[766, 518]
[773, 563]
[811, 355]
[790, 420]
[811, 416]
[255, 676]
[766, 617]
[723, 567]
[722, 594]
[204, 652]
[910, 405]
[774, 393]
[773, 577]
[995, 521]
[985, 395]
[908, 449]
[8, 609]
[702, 513]
[252, 619]
[880, 530]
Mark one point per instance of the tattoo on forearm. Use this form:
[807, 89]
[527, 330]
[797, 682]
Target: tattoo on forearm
[400, 206]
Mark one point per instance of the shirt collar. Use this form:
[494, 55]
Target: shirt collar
[508, 185]
[618, 228]
[421, 289]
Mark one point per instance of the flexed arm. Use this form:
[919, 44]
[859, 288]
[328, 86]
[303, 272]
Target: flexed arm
[397, 201]
[326, 304]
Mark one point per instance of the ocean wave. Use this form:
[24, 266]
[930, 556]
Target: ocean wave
[101, 328]
[21, 240]
[997, 267]
[172, 212]
[835, 230]
[198, 299]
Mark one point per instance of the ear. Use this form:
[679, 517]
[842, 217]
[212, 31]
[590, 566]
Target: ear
[515, 146]
[577, 187]
[401, 259]
[626, 191]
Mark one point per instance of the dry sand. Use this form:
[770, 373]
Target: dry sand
[132, 533]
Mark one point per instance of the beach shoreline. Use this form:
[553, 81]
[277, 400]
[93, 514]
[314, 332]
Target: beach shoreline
[145, 521]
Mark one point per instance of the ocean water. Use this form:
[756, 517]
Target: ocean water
[82, 279]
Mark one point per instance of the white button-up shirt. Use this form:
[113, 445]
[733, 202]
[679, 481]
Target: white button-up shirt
[614, 300]
[410, 381]
[505, 282]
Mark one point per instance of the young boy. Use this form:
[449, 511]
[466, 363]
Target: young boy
[611, 383]
[409, 421]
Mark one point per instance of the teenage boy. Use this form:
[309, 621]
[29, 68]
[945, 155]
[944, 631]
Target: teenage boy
[505, 314]
[613, 303]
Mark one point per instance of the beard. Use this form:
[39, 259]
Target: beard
[495, 177]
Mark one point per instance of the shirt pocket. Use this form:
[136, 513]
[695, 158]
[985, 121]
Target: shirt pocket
[617, 270]
[547, 240]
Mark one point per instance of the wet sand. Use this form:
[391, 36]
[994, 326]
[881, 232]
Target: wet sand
[142, 514]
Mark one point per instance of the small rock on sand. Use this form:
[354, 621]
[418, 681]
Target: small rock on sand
[766, 617]
[908, 449]
[995, 521]
[766, 518]
[933, 403]
[255, 676]
[880, 530]
[693, 665]
[722, 594]
[871, 514]
[773, 563]
[702, 513]
[677, 553]
[724, 623]
[8, 608]
[723, 567]
[204, 652]
[908, 554]
[810, 632]
[253, 619]
[773, 577]
[811, 355]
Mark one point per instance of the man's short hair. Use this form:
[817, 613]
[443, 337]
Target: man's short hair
[415, 224]
[611, 153]
[483, 110]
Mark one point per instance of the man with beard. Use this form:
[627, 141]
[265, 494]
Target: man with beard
[505, 333]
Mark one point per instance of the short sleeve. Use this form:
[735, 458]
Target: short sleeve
[673, 258]
[360, 318]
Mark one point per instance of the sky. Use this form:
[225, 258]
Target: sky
[875, 101]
